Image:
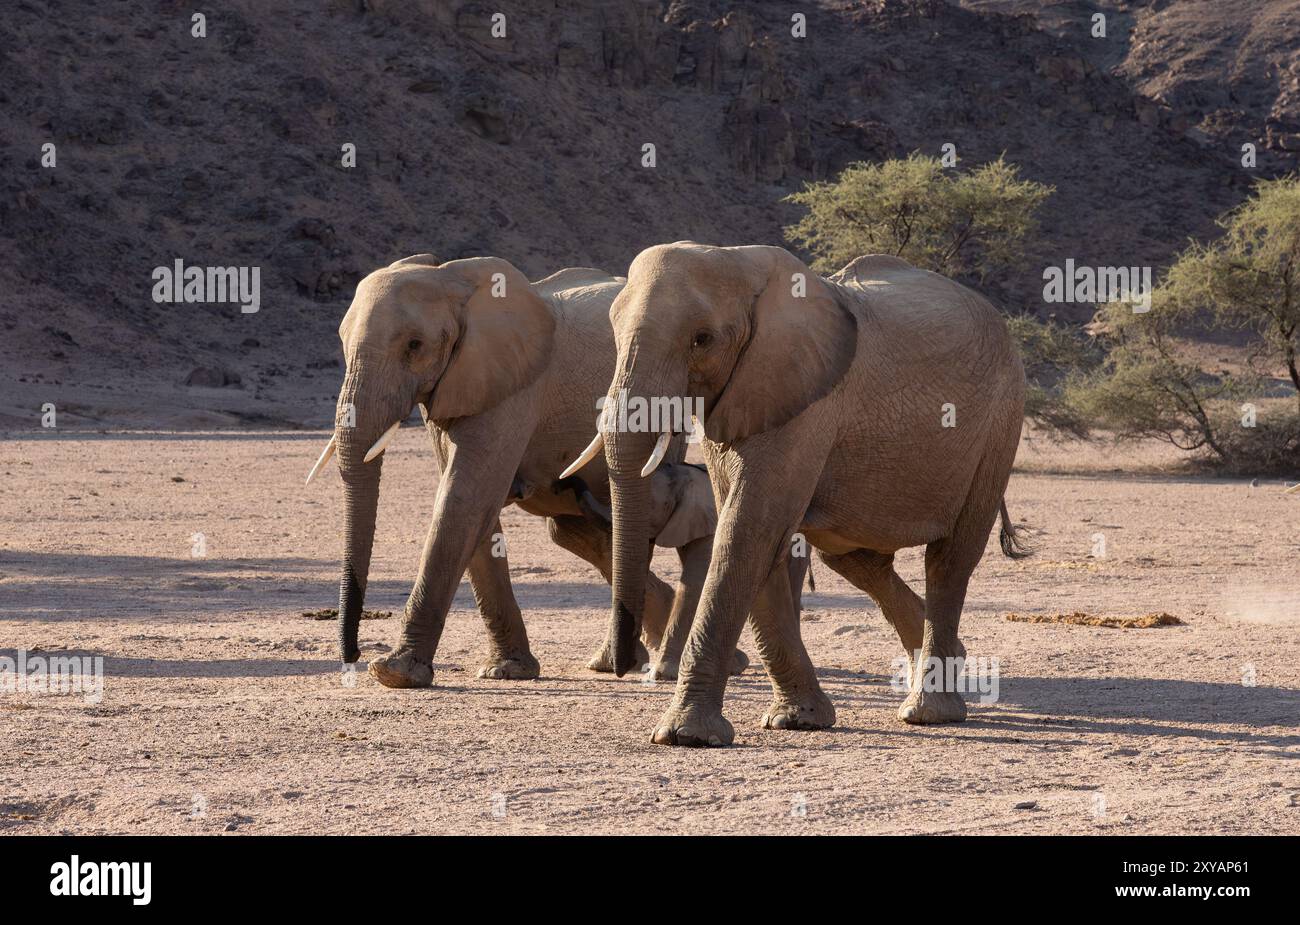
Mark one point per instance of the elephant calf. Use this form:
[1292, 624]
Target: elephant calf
[682, 516]
[507, 375]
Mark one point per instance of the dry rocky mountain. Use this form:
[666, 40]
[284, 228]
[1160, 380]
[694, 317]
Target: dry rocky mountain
[225, 150]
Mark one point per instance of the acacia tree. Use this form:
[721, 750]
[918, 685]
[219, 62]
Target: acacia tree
[1147, 388]
[950, 222]
[1250, 277]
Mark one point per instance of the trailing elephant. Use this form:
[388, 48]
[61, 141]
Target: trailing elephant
[872, 411]
[507, 375]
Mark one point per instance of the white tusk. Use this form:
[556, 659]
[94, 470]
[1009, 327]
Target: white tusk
[661, 447]
[382, 442]
[1293, 489]
[324, 458]
[586, 456]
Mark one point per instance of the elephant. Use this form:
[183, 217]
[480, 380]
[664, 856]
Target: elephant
[682, 516]
[871, 411]
[506, 374]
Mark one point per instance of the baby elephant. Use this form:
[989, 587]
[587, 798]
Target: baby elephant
[682, 517]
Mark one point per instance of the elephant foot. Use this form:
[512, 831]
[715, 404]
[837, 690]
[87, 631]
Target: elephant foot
[928, 708]
[666, 670]
[603, 660]
[816, 712]
[402, 669]
[693, 727]
[499, 667]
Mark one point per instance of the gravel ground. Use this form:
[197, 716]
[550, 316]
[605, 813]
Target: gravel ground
[224, 710]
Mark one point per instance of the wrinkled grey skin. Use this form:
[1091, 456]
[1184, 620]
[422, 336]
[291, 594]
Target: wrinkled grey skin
[507, 374]
[825, 405]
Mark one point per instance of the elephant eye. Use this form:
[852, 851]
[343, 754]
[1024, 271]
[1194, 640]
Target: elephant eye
[702, 339]
[413, 345]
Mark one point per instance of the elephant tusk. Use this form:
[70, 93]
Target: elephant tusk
[382, 442]
[661, 447]
[586, 456]
[324, 458]
[1293, 489]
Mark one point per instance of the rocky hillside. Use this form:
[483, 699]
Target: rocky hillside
[226, 150]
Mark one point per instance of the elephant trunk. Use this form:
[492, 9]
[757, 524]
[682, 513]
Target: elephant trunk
[626, 453]
[358, 426]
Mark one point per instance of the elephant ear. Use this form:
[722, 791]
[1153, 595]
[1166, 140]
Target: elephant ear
[506, 334]
[694, 513]
[799, 347]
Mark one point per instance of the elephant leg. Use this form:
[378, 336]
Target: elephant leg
[873, 572]
[509, 657]
[755, 521]
[797, 699]
[474, 484]
[797, 567]
[694, 557]
[949, 563]
[590, 543]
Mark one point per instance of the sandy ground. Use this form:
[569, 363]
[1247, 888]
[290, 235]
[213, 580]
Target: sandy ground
[224, 709]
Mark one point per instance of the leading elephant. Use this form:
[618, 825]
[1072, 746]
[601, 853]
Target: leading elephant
[507, 375]
[872, 411]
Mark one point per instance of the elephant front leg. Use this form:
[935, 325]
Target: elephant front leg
[747, 547]
[508, 657]
[694, 557]
[798, 701]
[456, 532]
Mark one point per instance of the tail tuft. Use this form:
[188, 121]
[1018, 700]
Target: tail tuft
[1011, 539]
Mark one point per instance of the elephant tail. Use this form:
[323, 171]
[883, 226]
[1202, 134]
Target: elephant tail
[1010, 537]
[812, 582]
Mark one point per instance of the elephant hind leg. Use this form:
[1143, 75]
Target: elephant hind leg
[873, 572]
[949, 563]
[509, 657]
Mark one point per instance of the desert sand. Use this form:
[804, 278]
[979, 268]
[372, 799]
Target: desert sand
[224, 709]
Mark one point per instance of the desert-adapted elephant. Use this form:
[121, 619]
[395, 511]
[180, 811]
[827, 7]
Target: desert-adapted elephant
[507, 375]
[872, 411]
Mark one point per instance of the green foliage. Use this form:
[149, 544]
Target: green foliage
[952, 223]
[1146, 388]
[1250, 277]
[1051, 353]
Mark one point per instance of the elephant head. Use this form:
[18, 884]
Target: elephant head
[748, 334]
[455, 338]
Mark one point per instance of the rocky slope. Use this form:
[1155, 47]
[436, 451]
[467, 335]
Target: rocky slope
[226, 150]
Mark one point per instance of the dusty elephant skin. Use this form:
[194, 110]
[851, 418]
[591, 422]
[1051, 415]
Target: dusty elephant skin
[875, 411]
[506, 374]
